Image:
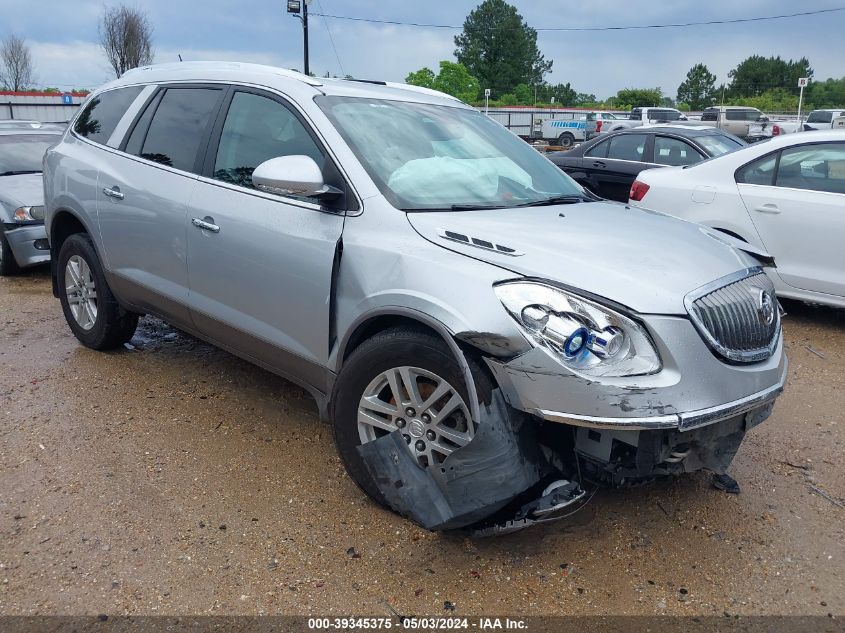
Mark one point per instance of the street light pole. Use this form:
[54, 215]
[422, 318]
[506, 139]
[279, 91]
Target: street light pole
[305, 34]
[299, 9]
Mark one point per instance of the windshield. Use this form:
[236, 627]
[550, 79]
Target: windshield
[425, 157]
[718, 145]
[23, 153]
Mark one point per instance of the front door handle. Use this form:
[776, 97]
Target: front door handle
[113, 192]
[206, 224]
[599, 163]
[767, 208]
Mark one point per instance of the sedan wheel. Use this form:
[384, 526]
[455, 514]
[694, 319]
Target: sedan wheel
[430, 413]
[81, 292]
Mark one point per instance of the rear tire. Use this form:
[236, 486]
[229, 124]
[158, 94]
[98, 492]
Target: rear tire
[566, 139]
[8, 264]
[90, 308]
[428, 356]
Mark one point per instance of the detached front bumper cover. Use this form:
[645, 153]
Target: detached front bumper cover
[501, 463]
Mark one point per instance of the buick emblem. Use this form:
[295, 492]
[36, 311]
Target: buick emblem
[765, 307]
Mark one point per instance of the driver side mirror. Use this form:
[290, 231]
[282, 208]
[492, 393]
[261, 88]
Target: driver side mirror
[296, 175]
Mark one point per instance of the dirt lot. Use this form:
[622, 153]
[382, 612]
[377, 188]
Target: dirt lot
[174, 478]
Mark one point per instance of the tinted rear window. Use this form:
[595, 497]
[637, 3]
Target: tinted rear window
[820, 116]
[102, 114]
[178, 126]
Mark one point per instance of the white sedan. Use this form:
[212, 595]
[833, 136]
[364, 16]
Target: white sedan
[785, 196]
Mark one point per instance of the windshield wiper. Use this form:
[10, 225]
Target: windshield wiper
[20, 173]
[477, 207]
[567, 199]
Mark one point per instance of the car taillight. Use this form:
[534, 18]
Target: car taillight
[775, 130]
[598, 126]
[638, 191]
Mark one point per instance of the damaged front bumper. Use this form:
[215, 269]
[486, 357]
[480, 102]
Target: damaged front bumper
[693, 389]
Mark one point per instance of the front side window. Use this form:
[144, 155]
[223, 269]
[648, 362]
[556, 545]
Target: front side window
[257, 129]
[101, 115]
[816, 167]
[23, 153]
[759, 172]
[627, 147]
[674, 152]
[178, 126]
[436, 157]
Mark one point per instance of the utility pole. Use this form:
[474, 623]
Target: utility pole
[299, 9]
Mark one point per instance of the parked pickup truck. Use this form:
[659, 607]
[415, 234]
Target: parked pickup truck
[823, 119]
[644, 116]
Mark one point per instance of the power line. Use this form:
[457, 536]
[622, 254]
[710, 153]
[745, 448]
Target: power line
[331, 39]
[594, 28]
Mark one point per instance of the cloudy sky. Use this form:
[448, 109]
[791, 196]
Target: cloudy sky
[63, 33]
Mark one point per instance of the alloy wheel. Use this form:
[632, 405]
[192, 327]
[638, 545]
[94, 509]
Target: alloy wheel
[430, 413]
[81, 292]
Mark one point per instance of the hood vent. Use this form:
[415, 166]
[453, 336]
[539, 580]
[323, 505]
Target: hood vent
[487, 245]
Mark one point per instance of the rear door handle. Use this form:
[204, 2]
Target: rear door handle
[206, 224]
[599, 163]
[767, 208]
[113, 192]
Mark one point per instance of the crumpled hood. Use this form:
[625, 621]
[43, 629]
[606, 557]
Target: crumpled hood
[26, 190]
[639, 258]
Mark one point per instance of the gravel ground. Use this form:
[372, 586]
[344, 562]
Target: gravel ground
[173, 478]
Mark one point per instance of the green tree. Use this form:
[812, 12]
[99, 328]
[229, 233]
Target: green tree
[423, 77]
[757, 74]
[500, 49]
[698, 90]
[825, 94]
[453, 79]
[523, 94]
[636, 97]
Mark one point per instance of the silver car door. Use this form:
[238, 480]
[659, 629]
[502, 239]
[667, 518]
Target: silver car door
[261, 265]
[142, 197]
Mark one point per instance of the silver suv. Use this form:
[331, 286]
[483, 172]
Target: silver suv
[482, 333]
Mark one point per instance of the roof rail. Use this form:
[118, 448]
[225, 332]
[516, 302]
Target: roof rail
[420, 89]
[200, 65]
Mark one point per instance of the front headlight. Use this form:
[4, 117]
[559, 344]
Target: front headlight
[583, 335]
[29, 214]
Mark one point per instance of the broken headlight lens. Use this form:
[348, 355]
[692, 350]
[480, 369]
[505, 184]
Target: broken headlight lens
[585, 336]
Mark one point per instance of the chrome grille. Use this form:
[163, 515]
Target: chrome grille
[738, 316]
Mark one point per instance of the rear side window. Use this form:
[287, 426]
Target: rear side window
[627, 147]
[742, 115]
[102, 114]
[759, 172]
[599, 150]
[674, 152]
[710, 114]
[178, 127]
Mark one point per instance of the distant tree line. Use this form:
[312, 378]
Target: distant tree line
[498, 50]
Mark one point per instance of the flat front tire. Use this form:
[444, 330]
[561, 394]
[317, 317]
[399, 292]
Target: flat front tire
[90, 308]
[407, 380]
